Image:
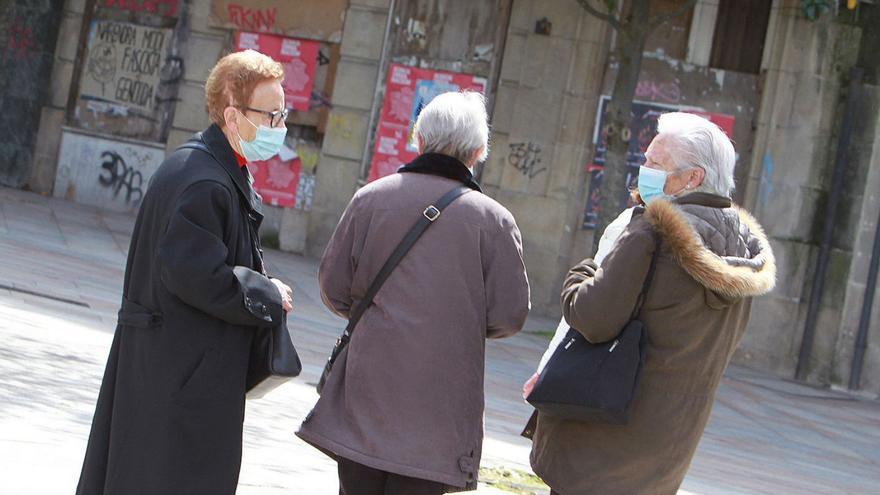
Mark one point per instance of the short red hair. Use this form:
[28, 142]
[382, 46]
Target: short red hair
[233, 79]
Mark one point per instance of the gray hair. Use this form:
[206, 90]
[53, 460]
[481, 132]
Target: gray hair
[454, 124]
[698, 142]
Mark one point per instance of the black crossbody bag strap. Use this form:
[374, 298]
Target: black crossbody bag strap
[429, 215]
[648, 279]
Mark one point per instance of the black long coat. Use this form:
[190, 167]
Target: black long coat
[171, 407]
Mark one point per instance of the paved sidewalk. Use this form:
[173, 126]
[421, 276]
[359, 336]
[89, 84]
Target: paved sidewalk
[60, 280]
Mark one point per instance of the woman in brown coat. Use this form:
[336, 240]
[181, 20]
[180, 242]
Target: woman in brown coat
[713, 259]
[402, 409]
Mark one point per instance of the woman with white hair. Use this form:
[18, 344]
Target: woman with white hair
[402, 407]
[711, 259]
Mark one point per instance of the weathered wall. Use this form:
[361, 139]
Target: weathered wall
[454, 35]
[52, 112]
[338, 168]
[788, 186]
[28, 34]
[542, 123]
[862, 207]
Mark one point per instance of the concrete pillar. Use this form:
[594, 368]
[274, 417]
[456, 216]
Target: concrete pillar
[347, 130]
[541, 129]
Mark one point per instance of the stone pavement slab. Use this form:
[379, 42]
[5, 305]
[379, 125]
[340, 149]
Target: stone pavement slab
[61, 269]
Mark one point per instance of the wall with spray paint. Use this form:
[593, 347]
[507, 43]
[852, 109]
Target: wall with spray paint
[28, 34]
[107, 173]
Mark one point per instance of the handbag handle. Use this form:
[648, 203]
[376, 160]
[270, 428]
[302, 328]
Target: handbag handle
[643, 295]
[429, 215]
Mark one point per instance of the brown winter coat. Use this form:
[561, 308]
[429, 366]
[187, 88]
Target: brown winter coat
[407, 395]
[714, 258]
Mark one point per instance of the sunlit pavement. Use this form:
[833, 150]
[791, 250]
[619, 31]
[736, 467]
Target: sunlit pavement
[61, 268]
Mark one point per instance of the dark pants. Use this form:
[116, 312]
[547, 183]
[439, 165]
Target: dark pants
[357, 479]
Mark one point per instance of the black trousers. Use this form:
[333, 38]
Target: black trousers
[357, 479]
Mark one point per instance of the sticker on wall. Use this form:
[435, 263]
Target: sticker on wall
[407, 91]
[299, 58]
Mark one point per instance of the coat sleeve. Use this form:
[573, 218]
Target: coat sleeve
[507, 285]
[338, 264]
[192, 262]
[598, 302]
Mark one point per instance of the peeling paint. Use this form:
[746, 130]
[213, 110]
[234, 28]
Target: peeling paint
[719, 78]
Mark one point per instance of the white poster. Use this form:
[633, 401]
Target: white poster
[123, 63]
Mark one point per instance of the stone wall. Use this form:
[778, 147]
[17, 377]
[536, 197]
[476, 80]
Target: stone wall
[789, 182]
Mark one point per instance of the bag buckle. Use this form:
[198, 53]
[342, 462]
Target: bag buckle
[431, 213]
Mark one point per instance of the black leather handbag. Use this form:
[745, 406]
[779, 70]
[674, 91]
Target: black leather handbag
[595, 382]
[429, 215]
[273, 359]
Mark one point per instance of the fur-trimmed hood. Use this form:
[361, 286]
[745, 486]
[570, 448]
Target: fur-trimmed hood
[724, 249]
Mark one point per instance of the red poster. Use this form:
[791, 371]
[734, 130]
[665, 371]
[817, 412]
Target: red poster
[276, 180]
[407, 91]
[299, 58]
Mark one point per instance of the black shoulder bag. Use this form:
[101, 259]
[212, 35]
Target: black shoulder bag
[595, 382]
[429, 215]
[273, 358]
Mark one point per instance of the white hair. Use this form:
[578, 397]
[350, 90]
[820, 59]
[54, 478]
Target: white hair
[454, 124]
[698, 142]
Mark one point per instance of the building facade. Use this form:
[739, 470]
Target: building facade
[102, 89]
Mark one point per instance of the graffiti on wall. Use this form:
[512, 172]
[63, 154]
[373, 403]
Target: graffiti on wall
[104, 172]
[666, 92]
[118, 176]
[21, 40]
[166, 8]
[526, 157]
[252, 19]
[124, 63]
[312, 19]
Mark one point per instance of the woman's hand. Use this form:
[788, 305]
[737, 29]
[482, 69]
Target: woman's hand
[529, 385]
[286, 294]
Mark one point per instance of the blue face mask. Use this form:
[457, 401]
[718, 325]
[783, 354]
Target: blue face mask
[651, 183]
[266, 144]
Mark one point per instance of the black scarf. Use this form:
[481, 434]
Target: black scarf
[443, 166]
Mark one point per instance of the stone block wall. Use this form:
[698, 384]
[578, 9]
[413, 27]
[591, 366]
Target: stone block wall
[348, 125]
[543, 119]
[795, 142]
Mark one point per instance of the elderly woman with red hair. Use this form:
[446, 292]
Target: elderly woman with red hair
[171, 407]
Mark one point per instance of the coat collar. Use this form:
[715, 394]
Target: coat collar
[704, 199]
[217, 142]
[442, 166]
[733, 277]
